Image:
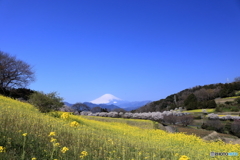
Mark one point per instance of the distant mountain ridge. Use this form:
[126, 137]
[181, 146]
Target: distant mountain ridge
[109, 107]
[112, 102]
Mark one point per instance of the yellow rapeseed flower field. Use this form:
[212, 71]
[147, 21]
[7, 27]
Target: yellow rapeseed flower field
[94, 138]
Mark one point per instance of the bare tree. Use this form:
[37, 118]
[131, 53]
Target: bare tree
[171, 119]
[66, 109]
[79, 107]
[14, 73]
[237, 79]
[185, 119]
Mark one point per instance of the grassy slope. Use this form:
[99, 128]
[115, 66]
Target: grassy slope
[101, 139]
[223, 100]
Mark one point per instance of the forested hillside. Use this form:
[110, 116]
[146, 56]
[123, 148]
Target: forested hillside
[195, 98]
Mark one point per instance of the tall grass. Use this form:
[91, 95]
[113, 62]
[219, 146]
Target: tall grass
[25, 133]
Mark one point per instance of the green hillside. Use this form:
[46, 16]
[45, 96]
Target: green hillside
[198, 97]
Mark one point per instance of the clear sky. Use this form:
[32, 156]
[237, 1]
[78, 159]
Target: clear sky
[133, 49]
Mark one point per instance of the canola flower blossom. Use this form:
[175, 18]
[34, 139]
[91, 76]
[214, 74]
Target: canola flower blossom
[183, 157]
[34, 158]
[52, 134]
[53, 140]
[24, 134]
[2, 149]
[74, 124]
[56, 144]
[83, 154]
[64, 149]
[65, 116]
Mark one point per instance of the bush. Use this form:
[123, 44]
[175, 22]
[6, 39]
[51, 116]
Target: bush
[219, 109]
[197, 117]
[228, 102]
[237, 100]
[235, 128]
[227, 127]
[20, 93]
[213, 125]
[234, 108]
[211, 104]
[46, 102]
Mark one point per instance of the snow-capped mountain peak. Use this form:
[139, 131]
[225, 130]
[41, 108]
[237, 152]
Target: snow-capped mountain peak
[106, 98]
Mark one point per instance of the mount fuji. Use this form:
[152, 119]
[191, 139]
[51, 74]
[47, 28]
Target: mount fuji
[107, 99]
[111, 102]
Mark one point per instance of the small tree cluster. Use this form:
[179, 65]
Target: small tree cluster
[79, 107]
[170, 119]
[46, 102]
[184, 120]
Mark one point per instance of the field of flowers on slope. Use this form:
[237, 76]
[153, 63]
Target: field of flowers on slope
[28, 134]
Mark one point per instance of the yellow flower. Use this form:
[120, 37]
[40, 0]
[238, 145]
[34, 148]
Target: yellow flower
[64, 149]
[184, 158]
[53, 140]
[24, 134]
[2, 149]
[74, 124]
[56, 144]
[65, 115]
[83, 154]
[52, 134]
[34, 158]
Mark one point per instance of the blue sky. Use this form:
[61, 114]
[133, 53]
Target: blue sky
[133, 49]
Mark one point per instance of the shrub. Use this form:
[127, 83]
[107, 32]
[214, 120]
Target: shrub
[234, 108]
[237, 100]
[228, 102]
[235, 127]
[213, 125]
[46, 102]
[197, 117]
[227, 127]
[211, 104]
[185, 120]
[219, 109]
